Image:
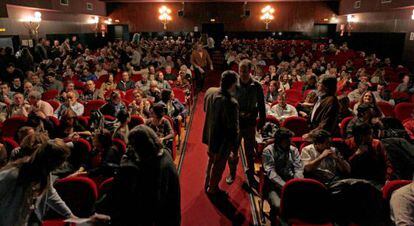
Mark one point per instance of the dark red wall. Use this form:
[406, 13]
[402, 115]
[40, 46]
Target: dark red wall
[347, 6]
[289, 16]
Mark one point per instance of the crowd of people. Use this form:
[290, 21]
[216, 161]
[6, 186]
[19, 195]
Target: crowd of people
[138, 93]
[317, 85]
[69, 96]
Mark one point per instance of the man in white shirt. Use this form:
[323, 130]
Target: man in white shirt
[283, 110]
[321, 160]
[356, 94]
[72, 103]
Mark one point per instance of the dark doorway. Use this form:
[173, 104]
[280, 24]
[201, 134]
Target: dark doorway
[215, 30]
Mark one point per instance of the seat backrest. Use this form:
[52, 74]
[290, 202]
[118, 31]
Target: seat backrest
[386, 108]
[105, 186]
[403, 110]
[54, 103]
[135, 121]
[120, 145]
[50, 94]
[93, 105]
[306, 200]
[179, 94]
[297, 125]
[12, 125]
[79, 193]
[392, 186]
[344, 124]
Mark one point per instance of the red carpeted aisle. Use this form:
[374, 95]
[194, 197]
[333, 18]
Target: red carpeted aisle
[196, 208]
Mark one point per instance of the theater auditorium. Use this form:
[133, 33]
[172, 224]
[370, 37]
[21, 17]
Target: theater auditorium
[207, 113]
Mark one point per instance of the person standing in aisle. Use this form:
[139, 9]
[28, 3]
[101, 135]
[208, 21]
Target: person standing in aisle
[221, 129]
[250, 97]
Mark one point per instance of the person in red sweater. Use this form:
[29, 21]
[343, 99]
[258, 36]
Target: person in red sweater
[368, 158]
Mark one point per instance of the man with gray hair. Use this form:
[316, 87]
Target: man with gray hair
[249, 94]
[39, 105]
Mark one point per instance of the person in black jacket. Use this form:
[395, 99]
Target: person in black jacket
[146, 190]
[114, 105]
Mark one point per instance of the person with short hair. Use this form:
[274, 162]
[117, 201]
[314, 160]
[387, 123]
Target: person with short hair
[146, 189]
[91, 92]
[72, 103]
[282, 110]
[250, 96]
[369, 160]
[322, 161]
[200, 61]
[125, 83]
[38, 105]
[356, 94]
[19, 107]
[51, 83]
[281, 162]
[324, 114]
[221, 129]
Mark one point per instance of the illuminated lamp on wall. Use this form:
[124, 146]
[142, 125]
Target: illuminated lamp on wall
[412, 16]
[164, 16]
[32, 23]
[94, 22]
[267, 15]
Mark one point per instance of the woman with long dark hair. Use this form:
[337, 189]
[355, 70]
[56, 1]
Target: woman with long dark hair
[26, 183]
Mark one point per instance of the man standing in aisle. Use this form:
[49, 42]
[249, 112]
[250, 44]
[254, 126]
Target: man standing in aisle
[201, 61]
[251, 101]
[221, 128]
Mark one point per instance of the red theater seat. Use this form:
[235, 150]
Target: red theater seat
[386, 108]
[392, 186]
[344, 124]
[54, 103]
[297, 125]
[403, 111]
[135, 121]
[305, 202]
[12, 125]
[93, 105]
[50, 94]
[79, 193]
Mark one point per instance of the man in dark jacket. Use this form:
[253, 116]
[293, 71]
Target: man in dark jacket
[325, 112]
[146, 190]
[251, 101]
[221, 129]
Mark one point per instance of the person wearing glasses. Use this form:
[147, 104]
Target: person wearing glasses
[72, 103]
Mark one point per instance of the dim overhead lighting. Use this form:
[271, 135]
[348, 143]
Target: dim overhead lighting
[267, 15]
[164, 16]
[212, 20]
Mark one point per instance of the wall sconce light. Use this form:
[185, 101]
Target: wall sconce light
[108, 21]
[267, 15]
[412, 16]
[334, 19]
[94, 21]
[164, 16]
[351, 19]
[32, 23]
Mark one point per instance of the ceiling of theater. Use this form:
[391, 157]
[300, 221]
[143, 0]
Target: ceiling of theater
[218, 0]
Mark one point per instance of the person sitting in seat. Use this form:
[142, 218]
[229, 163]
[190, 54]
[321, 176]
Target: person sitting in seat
[72, 103]
[114, 105]
[368, 160]
[321, 160]
[281, 162]
[283, 110]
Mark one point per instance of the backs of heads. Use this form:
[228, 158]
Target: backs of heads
[228, 78]
[329, 82]
[144, 141]
[51, 154]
